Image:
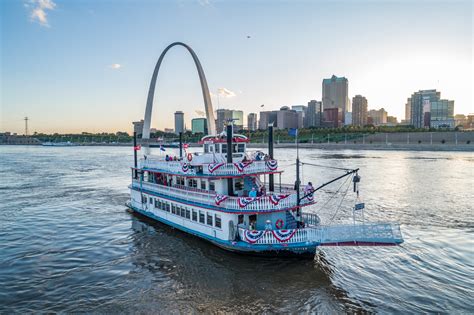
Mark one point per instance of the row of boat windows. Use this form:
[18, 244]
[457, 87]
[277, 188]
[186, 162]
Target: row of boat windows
[237, 147]
[185, 212]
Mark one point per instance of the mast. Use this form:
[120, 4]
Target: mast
[135, 153]
[297, 184]
[181, 144]
[230, 184]
[271, 182]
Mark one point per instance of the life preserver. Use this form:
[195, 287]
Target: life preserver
[190, 157]
[279, 224]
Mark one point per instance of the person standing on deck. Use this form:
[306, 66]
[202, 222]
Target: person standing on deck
[253, 193]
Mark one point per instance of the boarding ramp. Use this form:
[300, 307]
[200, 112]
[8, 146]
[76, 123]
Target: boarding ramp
[367, 234]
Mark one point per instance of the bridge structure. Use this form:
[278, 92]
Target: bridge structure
[211, 123]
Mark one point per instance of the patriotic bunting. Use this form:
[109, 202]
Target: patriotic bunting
[185, 167]
[213, 167]
[240, 166]
[283, 235]
[220, 198]
[244, 201]
[275, 199]
[272, 165]
[253, 236]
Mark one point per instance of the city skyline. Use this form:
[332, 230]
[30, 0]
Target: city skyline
[66, 78]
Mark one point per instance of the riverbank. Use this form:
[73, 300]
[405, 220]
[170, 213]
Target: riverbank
[385, 147]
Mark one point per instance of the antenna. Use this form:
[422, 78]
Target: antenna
[26, 126]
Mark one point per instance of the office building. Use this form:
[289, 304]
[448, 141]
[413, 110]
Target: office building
[336, 95]
[138, 127]
[178, 122]
[420, 103]
[359, 110]
[266, 118]
[313, 117]
[199, 125]
[252, 121]
[377, 117]
[287, 118]
[332, 117]
[224, 115]
[301, 111]
[392, 120]
[408, 110]
[442, 114]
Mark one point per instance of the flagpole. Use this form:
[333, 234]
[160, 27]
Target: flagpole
[298, 210]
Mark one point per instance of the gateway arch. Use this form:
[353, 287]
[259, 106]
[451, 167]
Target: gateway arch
[211, 123]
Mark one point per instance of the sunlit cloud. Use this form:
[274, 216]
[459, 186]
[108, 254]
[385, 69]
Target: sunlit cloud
[38, 9]
[115, 66]
[225, 92]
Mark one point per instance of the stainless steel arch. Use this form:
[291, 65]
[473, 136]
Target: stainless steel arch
[211, 123]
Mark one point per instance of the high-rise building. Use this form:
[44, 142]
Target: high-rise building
[199, 125]
[267, 117]
[287, 118]
[408, 110]
[252, 121]
[392, 120]
[301, 111]
[359, 110]
[178, 122]
[377, 117]
[336, 95]
[332, 117]
[442, 114]
[314, 117]
[138, 127]
[223, 115]
[420, 103]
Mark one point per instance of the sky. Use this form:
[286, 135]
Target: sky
[85, 66]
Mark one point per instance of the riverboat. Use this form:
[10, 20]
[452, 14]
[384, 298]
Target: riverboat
[228, 197]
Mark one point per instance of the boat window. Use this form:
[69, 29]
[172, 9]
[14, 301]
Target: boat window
[218, 221]
[180, 181]
[241, 147]
[144, 199]
[209, 219]
[206, 148]
[217, 146]
[183, 212]
[188, 214]
[241, 219]
[195, 216]
[156, 203]
[167, 207]
[234, 147]
[173, 208]
[212, 186]
[201, 217]
[224, 148]
[192, 182]
[203, 184]
[211, 148]
[151, 200]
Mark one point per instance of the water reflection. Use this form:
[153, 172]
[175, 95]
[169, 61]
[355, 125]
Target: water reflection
[212, 279]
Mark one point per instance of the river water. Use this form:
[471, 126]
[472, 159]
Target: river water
[68, 244]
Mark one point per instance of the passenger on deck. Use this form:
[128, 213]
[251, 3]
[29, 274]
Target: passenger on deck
[263, 191]
[308, 188]
[253, 193]
[167, 158]
[245, 159]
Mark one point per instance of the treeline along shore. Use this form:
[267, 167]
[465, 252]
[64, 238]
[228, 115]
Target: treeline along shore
[329, 138]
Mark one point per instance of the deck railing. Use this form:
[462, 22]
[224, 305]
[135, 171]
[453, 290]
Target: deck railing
[359, 234]
[260, 204]
[216, 169]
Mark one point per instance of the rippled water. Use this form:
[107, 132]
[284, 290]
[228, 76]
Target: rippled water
[67, 243]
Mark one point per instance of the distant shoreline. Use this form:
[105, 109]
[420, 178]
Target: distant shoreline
[320, 146]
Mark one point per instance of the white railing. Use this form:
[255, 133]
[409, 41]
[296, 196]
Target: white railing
[232, 169]
[168, 166]
[360, 234]
[262, 204]
[225, 169]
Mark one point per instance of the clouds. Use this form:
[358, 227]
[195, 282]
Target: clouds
[225, 92]
[115, 66]
[38, 9]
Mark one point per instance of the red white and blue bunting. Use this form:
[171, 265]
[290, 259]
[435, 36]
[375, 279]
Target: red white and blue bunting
[275, 199]
[220, 198]
[244, 201]
[253, 236]
[185, 167]
[213, 167]
[242, 165]
[283, 235]
[272, 165]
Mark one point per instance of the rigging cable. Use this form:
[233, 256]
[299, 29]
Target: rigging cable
[340, 203]
[326, 166]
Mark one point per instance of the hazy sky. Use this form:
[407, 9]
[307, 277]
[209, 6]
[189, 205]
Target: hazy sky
[75, 66]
